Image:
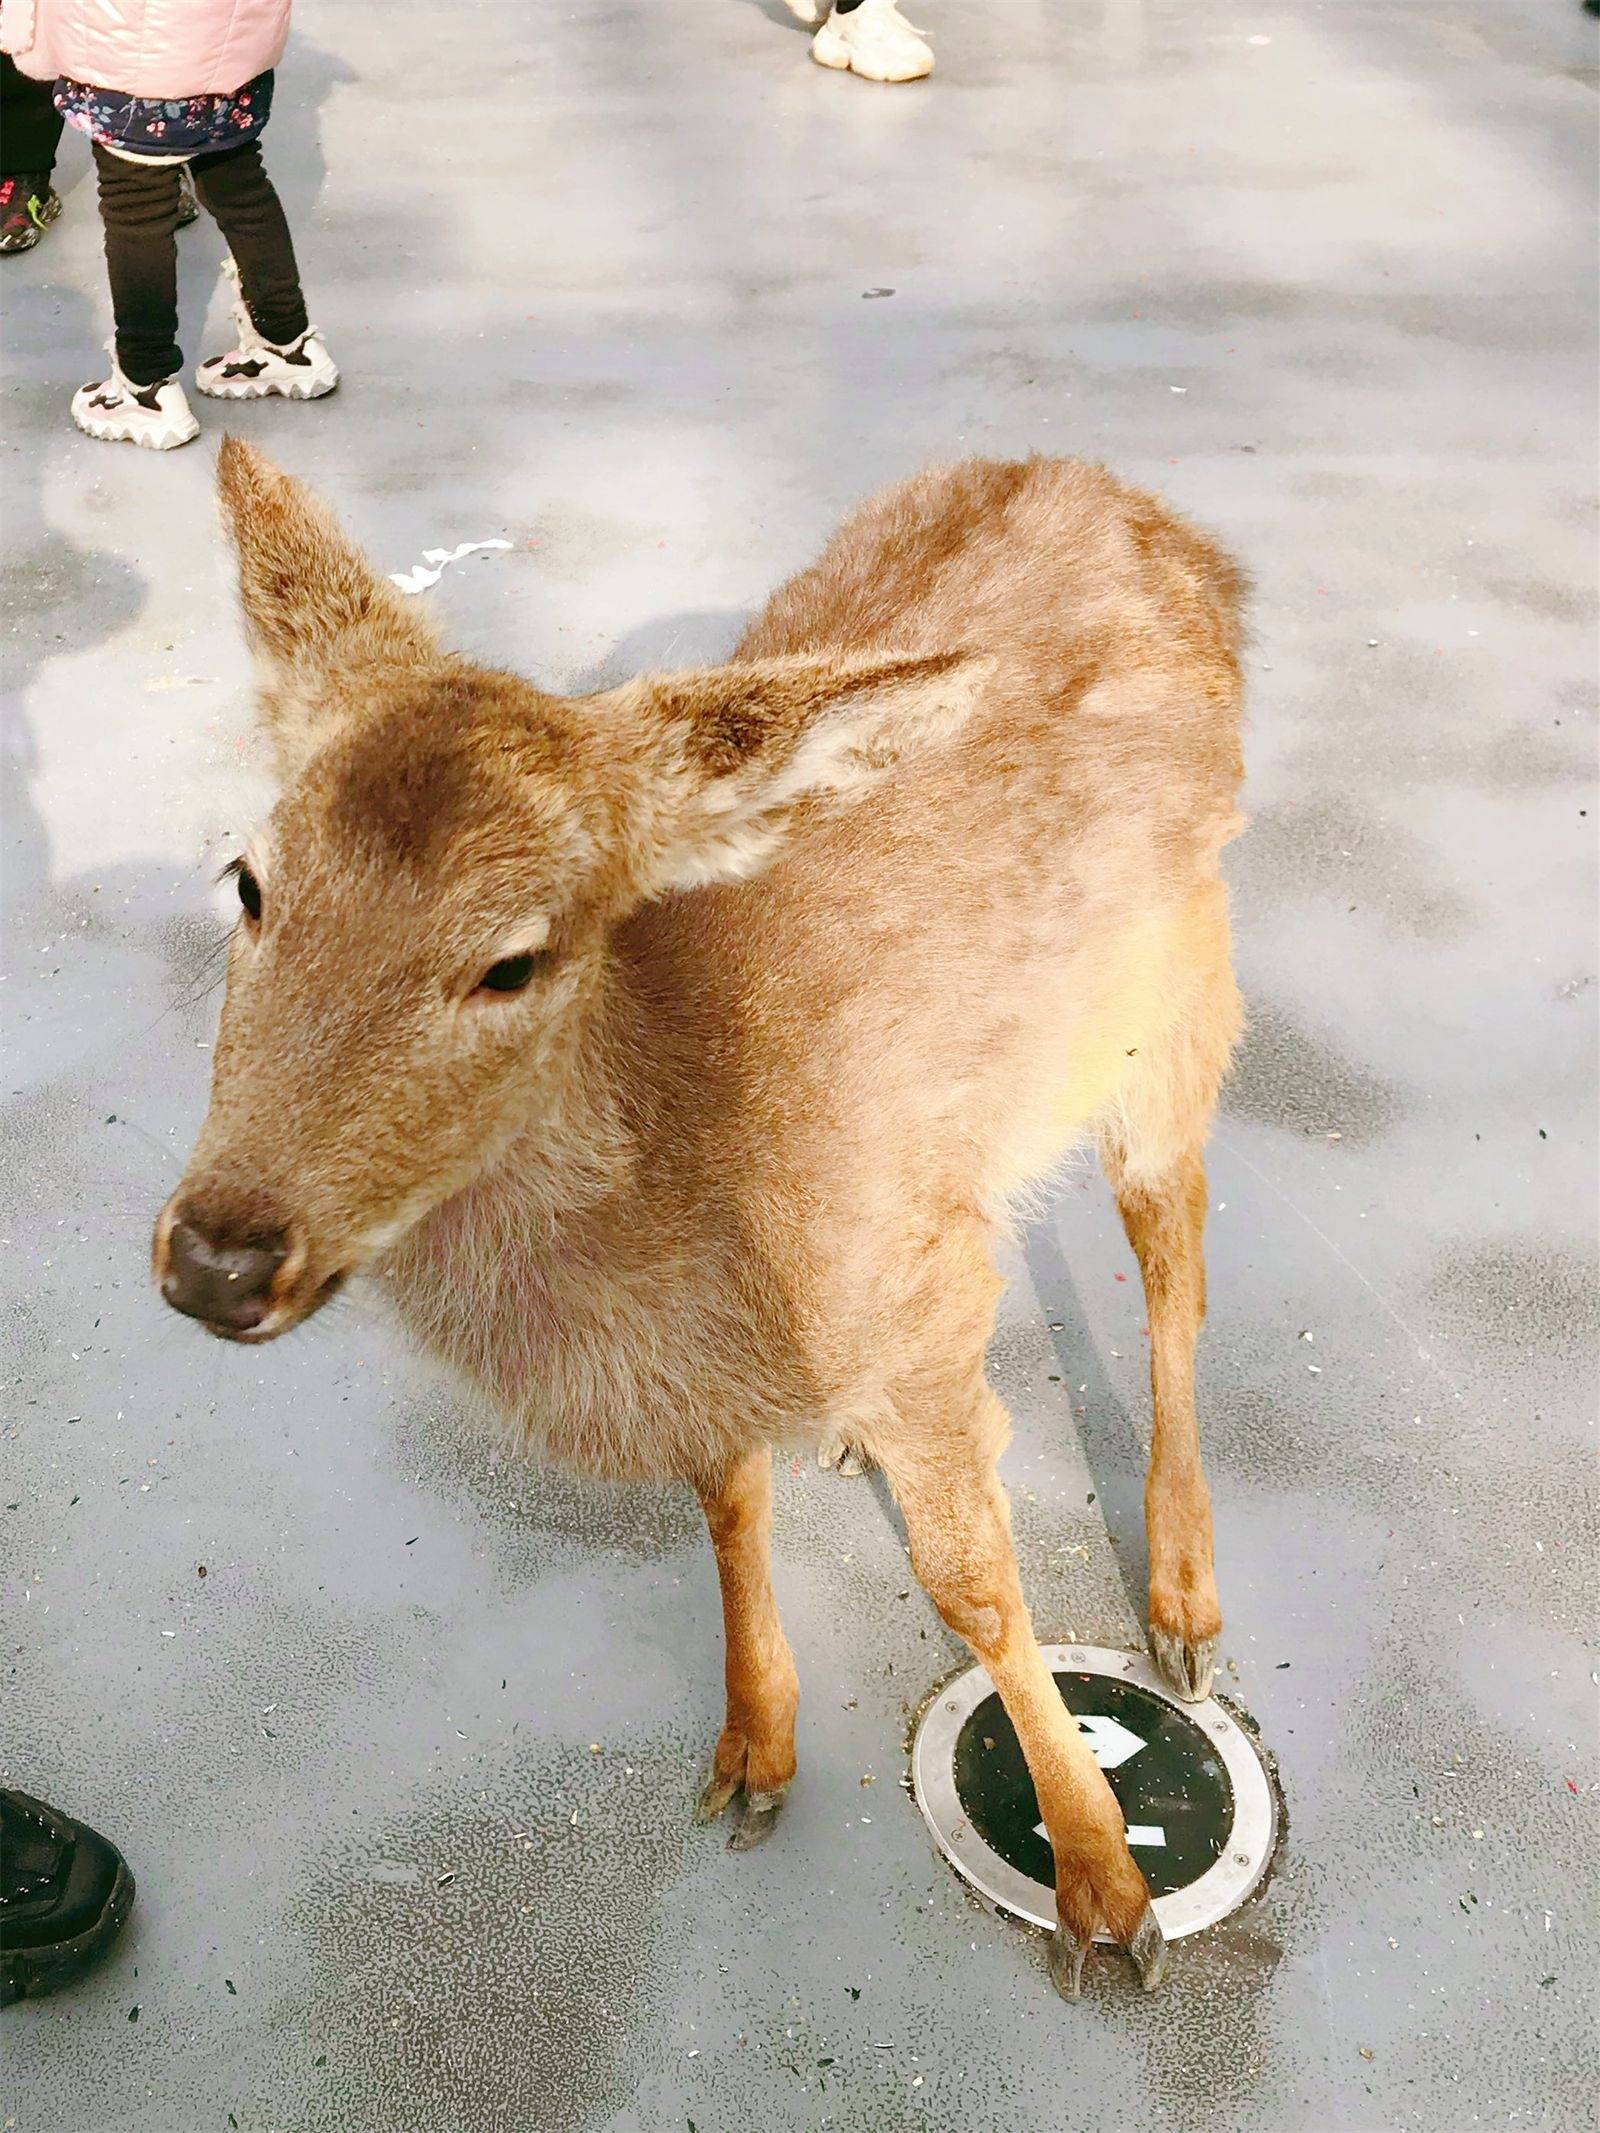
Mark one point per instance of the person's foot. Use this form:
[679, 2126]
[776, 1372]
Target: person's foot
[810, 12]
[875, 41]
[29, 203]
[119, 412]
[188, 205]
[64, 1894]
[295, 370]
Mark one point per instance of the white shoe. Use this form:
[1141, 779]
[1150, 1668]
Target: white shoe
[295, 370]
[875, 41]
[810, 12]
[299, 370]
[120, 412]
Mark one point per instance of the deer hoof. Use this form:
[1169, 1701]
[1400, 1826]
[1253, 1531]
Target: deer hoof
[757, 1821]
[715, 1794]
[841, 1454]
[1067, 1957]
[1189, 1668]
[1147, 1950]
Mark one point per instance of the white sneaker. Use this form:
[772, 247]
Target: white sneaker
[300, 370]
[295, 370]
[809, 12]
[120, 412]
[875, 41]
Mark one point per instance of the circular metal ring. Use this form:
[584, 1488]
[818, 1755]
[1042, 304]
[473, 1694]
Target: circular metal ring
[1232, 1877]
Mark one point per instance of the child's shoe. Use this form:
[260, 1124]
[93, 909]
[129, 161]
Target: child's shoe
[188, 205]
[120, 412]
[29, 203]
[296, 370]
[299, 370]
[875, 41]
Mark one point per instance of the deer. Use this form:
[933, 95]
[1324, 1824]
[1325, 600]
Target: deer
[677, 1056]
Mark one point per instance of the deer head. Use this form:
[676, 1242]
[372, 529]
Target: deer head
[424, 918]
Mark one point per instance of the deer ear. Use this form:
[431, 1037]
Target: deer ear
[311, 601]
[734, 754]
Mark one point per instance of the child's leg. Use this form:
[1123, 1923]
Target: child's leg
[236, 192]
[139, 207]
[30, 125]
[30, 129]
[279, 352]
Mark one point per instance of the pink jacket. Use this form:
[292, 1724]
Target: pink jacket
[165, 48]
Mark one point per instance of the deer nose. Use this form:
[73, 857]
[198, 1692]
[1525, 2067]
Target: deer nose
[228, 1286]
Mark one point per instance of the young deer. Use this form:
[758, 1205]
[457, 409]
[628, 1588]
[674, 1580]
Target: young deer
[675, 1054]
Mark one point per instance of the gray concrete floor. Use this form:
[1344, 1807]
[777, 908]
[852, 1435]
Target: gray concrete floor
[597, 274]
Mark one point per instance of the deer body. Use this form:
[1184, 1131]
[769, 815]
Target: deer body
[845, 982]
[809, 1076]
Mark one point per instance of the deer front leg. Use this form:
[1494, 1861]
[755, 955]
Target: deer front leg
[959, 1527]
[755, 1751]
[1164, 1218]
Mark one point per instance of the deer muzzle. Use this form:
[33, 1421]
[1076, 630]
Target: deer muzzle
[240, 1285]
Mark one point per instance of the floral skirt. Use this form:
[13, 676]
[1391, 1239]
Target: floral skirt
[162, 129]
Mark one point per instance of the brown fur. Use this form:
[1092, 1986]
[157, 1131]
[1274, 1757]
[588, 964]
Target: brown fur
[844, 944]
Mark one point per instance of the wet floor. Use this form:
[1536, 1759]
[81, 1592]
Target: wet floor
[406, 1774]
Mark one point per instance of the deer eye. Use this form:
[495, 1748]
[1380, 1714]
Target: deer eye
[510, 974]
[249, 894]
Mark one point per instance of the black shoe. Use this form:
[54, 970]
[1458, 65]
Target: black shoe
[29, 203]
[64, 1893]
[188, 205]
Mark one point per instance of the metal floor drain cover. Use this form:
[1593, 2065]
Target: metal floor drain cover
[1201, 1809]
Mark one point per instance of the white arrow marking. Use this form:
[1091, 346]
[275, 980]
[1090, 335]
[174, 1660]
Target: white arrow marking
[1146, 1833]
[1110, 1741]
[1113, 1744]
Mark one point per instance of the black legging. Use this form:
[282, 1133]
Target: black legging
[30, 125]
[139, 207]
